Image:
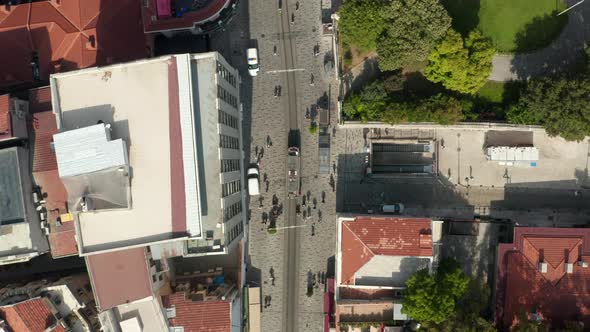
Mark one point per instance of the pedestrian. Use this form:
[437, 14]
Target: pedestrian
[313, 229]
[323, 197]
[315, 203]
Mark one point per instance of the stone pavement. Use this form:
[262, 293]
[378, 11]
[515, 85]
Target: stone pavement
[265, 115]
[561, 53]
[554, 192]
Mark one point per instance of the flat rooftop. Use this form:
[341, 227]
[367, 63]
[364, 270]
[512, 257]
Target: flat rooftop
[146, 311]
[140, 102]
[12, 206]
[119, 277]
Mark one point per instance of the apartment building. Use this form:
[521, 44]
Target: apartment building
[375, 257]
[160, 142]
[152, 164]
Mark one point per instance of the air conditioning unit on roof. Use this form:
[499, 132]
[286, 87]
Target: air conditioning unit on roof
[569, 268]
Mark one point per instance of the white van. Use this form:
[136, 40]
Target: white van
[252, 57]
[253, 182]
[397, 208]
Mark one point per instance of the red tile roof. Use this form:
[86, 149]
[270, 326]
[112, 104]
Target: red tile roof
[40, 100]
[61, 237]
[152, 22]
[363, 238]
[44, 127]
[202, 316]
[5, 120]
[558, 296]
[177, 196]
[30, 316]
[67, 35]
[119, 277]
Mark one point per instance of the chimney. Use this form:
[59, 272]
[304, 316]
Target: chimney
[543, 267]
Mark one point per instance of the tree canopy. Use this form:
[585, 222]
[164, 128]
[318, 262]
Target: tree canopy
[413, 28]
[432, 297]
[440, 108]
[361, 22]
[368, 104]
[560, 104]
[461, 65]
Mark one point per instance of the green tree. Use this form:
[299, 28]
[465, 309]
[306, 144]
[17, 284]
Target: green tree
[368, 104]
[413, 28]
[559, 104]
[432, 298]
[461, 65]
[361, 22]
[440, 108]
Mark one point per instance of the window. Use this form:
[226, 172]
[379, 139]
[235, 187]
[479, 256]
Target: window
[229, 142]
[232, 210]
[226, 74]
[230, 188]
[230, 165]
[228, 120]
[227, 97]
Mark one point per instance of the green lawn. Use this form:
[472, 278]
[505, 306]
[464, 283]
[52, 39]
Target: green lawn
[500, 92]
[492, 92]
[513, 25]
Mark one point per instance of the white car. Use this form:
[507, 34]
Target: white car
[252, 56]
[253, 182]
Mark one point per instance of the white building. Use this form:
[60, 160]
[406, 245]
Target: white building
[150, 153]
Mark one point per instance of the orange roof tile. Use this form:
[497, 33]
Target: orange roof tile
[5, 120]
[558, 296]
[202, 316]
[61, 34]
[365, 237]
[40, 100]
[30, 316]
[44, 127]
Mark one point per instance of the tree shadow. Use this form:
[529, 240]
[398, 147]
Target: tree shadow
[563, 38]
[540, 32]
[368, 74]
[465, 14]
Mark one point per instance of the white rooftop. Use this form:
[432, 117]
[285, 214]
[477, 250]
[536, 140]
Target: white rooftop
[510, 153]
[136, 99]
[88, 149]
[146, 313]
[389, 271]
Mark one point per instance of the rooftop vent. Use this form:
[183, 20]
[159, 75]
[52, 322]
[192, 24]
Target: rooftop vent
[582, 263]
[543, 267]
[569, 268]
[171, 312]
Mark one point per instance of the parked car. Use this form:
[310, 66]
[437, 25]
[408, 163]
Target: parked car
[396, 208]
[252, 57]
[253, 181]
